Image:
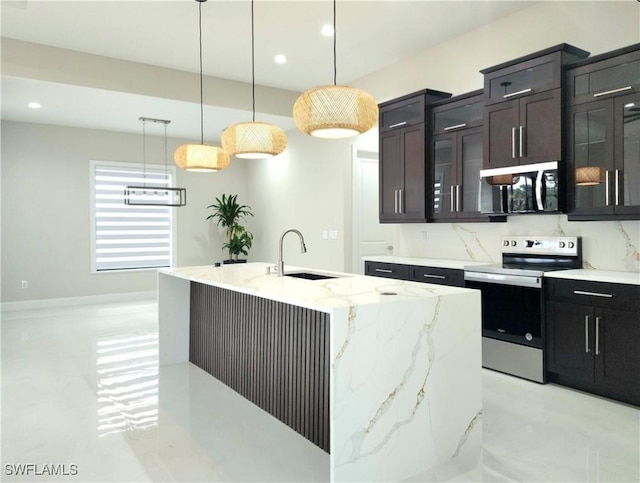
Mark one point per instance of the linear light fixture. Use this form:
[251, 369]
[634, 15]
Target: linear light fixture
[154, 195]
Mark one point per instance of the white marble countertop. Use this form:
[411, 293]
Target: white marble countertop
[324, 295]
[424, 262]
[610, 276]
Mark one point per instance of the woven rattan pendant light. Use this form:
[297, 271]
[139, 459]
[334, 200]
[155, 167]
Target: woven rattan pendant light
[253, 140]
[589, 176]
[335, 111]
[201, 157]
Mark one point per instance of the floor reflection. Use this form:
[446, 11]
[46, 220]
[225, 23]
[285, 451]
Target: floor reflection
[127, 382]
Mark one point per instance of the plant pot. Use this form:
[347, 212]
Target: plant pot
[240, 260]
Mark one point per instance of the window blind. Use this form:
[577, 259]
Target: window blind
[129, 236]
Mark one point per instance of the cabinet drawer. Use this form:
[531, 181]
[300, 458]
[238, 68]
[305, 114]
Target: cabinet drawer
[598, 294]
[440, 276]
[387, 270]
[606, 78]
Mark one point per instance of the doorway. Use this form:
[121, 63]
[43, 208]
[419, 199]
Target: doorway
[370, 237]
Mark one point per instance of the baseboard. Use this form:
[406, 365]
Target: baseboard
[70, 301]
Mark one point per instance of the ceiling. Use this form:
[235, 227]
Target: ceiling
[370, 36]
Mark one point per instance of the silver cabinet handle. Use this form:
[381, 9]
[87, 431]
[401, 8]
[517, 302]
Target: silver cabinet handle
[521, 140]
[457, 126]
[457, 197]
[398, 124]
[453, 205]
[395, 201]
[616, 181]
[593, 294]
[513, 142]
[401, 201]
[586, 334]
[383, 270]
[597, 336]
[428, 275]
[612, 91]
[606, 187]
[523, 91]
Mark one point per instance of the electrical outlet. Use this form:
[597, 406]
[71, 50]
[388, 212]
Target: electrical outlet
[333, 234]
[25, 284]
[424, 235]
[325, 234]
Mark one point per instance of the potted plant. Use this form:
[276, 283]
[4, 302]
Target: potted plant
[228, 214]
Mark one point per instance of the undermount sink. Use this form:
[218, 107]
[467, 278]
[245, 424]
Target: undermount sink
[310, 275]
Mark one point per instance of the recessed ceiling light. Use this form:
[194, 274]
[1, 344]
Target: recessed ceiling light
[35, 105]
[327, 30]
[280, 59]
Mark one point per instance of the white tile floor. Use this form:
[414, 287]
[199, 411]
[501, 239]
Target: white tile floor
[81, 386]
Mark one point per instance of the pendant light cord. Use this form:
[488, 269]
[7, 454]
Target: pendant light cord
[144, 153]
[201, 96]
[335, 68]
[253, 65]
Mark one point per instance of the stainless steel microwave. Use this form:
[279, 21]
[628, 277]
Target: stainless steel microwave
[532, 188]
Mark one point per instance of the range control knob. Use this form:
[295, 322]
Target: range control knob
[562, 244]
[513, 243]
[571, 244]
[506, 243]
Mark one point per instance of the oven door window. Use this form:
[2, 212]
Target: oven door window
[510, 313]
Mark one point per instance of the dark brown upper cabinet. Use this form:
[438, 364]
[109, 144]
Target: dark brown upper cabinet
[456, 158]
[603, 136]
[523, 107]
[403, 157]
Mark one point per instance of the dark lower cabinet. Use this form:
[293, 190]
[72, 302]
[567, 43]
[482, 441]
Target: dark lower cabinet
[416, 273]
[439, 276]
[593, 335]
[387, 270]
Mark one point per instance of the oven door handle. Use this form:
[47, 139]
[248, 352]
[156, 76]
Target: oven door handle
[496, 278]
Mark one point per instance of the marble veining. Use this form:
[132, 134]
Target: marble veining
[324, 295]
[357, 440]
[350, 329]
[607, 245]
[474, 240]
[467, 432]
[632, 255]
[398, 407]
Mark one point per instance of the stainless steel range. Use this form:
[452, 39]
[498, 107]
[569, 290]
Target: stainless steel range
[513, 301]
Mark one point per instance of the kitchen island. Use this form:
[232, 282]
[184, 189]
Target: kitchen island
[382, 374]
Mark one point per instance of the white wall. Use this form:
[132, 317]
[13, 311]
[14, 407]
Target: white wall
[45, 211]
[306, 187]
[595, 26]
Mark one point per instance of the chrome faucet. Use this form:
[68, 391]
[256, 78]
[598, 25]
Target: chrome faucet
[303, 249]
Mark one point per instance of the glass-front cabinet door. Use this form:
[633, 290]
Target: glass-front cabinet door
[592, 155]
[444, 172]
[471, 164]
[605, 157]
[626, 183]
[457, 161]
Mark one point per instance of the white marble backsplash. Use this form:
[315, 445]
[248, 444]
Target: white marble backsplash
[607, 245]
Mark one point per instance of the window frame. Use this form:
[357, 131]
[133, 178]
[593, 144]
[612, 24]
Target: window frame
[173, 238]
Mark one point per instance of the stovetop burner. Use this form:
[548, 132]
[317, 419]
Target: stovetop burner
[533, 256]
